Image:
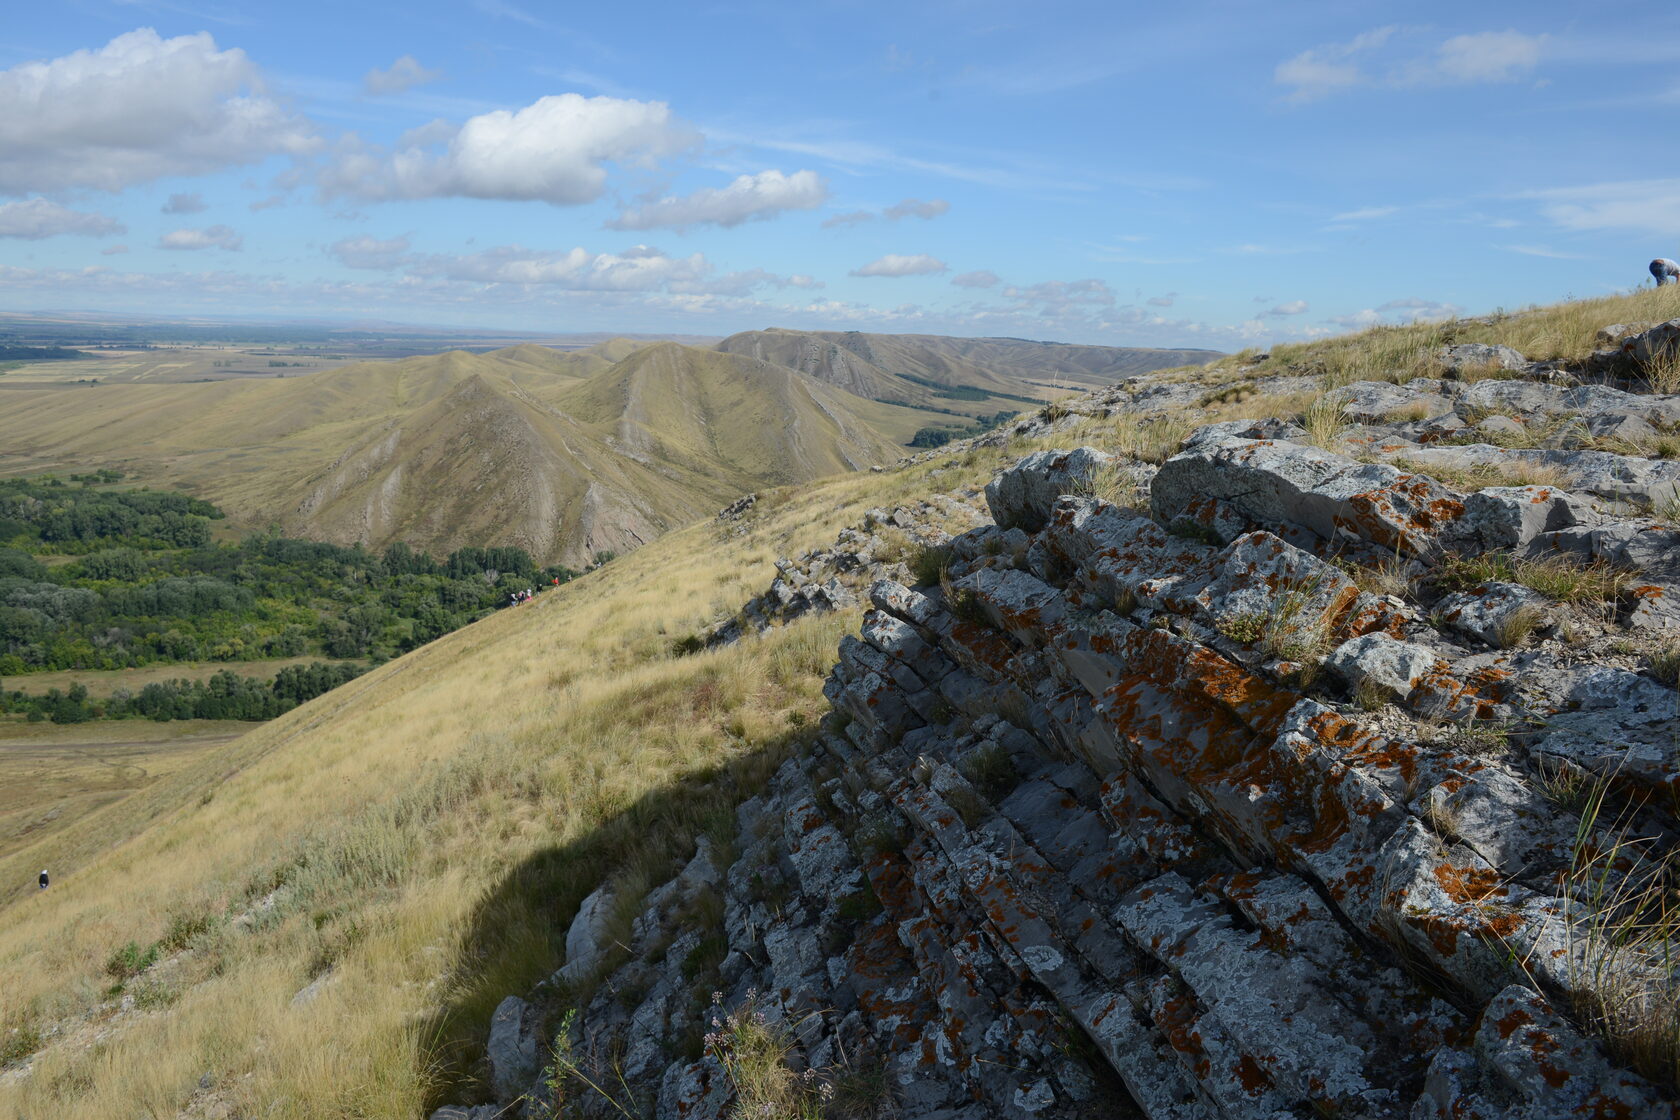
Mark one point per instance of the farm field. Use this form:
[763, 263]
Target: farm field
[53, 777]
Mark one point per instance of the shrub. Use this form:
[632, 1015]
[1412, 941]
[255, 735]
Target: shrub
[991, 770]
[18, 1044]
[928, 563]
[754, 1054]
[130, 961]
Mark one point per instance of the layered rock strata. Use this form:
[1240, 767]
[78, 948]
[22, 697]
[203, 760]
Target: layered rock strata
[1229, 806]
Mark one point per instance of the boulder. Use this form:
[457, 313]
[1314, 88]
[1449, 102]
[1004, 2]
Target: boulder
[1494, 611]
[1384, 661]
[513, 1048]
[1472, 356]
[1023, 495]
[587, 936]
[1509, 517]
[1660, 341]
[1274, 482]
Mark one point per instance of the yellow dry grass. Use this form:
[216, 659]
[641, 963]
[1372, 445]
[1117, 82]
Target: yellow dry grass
[422, 837]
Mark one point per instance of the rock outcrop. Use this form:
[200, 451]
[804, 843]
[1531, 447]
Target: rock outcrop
[1258, 802]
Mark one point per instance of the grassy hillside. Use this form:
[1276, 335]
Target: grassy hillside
[379, 820]
[564, 455]
[340, 897]
[924, 369]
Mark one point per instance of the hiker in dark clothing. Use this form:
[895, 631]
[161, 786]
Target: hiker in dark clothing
[43, 878]
[1665, 270]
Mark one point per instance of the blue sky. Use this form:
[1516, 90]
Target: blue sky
[1210, 175]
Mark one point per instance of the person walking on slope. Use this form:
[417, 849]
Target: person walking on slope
[43, 878]
[1665, 270]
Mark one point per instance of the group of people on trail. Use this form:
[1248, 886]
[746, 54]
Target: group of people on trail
[1665, 270]
[517, 597]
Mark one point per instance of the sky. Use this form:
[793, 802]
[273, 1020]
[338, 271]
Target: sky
[1197, 174]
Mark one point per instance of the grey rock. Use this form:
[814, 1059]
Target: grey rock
[1332, 495]
[1509, 517]
[1613, 334]
[1478, 355]
[513, 1047]
[1494, 611]
[586, 937]
[1386, 662]
[1022, 495]
[1658, 341]
[1495, 427]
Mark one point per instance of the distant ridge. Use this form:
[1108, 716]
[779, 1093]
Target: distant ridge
[568, 454]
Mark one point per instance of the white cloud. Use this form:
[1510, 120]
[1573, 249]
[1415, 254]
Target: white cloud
[1484, 56]
[370, 252]
[553, 150]
[37, 218]
[1487, 56]
[848, 219]
[916, 208]
[137, 109]
[896, 264]
[211, 237]
[984, 278]
[1058, 297]
[1408, 310]
[1365, 214]
[185, 204]
[799, 280]
[1541, 251]
[1644, 205]
[113, 250]
[404, 74]
[748, 198]
[1323, 70]
[1162, 301]
[1293, 307]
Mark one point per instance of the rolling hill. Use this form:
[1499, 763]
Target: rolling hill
[933, 369]
[565, 454]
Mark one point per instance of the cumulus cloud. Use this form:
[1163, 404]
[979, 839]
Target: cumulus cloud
[916, 208]
[1293, 307]
[404, 74]
[1480, 57]
[637, 269]
[983, 278]
[897, 264]
[748, 198]
[36, 218]
[113, 250]
[1162, 301]
[849, 219]
[211, 237]
[370, 252]
[185, 204]
[554, 150]
[139, 108]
